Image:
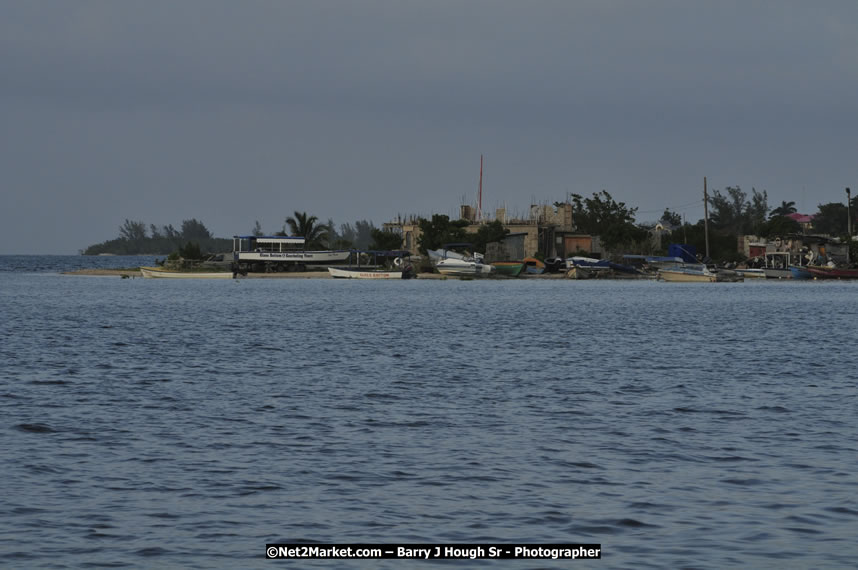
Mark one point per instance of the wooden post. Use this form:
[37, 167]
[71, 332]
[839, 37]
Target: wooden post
[706, 215]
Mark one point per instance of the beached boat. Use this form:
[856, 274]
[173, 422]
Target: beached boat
[752, 273]
[728, 276]
[600, 265]
[509, 268]
[800, 272]
[580, 272]
[823, 272]
[533, 265]
[686, 274]
[369, 273]
[161, 273]
[468, 266]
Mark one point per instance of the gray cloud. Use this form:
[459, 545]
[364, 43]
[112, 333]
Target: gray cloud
[232, 112]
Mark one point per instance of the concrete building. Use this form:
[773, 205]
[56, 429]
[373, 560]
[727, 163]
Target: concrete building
[547, 229]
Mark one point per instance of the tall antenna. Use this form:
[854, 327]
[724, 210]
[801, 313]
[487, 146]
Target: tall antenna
[706, 215]
[480, 195]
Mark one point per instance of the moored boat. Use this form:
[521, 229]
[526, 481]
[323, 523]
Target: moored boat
[509, 268]
[686, 274]
[800, 272]
[161, 273]
[339, 273]
[533, 265]
[465, 267]
[823, 272]
[777, 265]
[752, 273]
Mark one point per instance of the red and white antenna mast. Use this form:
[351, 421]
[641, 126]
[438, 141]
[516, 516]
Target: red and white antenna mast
[480, 195]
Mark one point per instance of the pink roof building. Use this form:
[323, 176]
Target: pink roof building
[802, 218]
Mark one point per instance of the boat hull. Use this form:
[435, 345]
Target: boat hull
[752, 273]
[833, 273]
[800, 272]
[159, 273]
[509, 268]
[451, 266]
[363, 274]
[680, 276]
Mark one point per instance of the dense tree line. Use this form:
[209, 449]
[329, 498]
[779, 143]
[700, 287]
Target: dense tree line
[732, 213]
[135, 238]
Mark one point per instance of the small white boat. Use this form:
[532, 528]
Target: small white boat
[366, 274]
[450, 266]
[686, 275]
[752, 273]
[161, 273]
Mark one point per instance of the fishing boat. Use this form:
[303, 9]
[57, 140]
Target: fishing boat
[339, 273]
[161, 273]
[800, 272]
[687, 274]
[509, 268]
[777, 265]
[824, 272]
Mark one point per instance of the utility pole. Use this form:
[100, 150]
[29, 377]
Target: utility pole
[706, 215]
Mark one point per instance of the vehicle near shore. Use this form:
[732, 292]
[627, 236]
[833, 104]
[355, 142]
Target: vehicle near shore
[258, 254]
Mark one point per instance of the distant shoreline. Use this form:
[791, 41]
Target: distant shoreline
[282, 275]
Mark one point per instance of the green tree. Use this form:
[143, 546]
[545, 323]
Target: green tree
[735, 214]
[785, 209]
[779, 226]
[306, 226]
[439, 230]
[194, 229]
[257, 229]
[612, 221]
[385, 240]
[756, 211]
[722, 245]
[132, 231]
[488, 233]
[831, 219]
[671, 219]
[191, 250]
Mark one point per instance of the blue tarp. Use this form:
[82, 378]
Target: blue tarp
[688, 253]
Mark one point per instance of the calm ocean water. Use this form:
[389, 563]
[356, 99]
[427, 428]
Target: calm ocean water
[157, 423]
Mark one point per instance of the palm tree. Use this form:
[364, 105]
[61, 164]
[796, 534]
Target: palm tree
[305, 226]
[785, 209]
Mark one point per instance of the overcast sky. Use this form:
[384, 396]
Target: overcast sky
[236, 111]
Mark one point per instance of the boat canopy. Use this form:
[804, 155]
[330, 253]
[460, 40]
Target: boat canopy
[266, 243]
